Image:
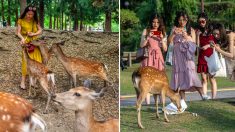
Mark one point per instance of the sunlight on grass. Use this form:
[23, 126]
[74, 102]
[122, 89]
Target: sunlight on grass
[216, 116]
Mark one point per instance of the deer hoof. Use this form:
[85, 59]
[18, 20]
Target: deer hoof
[45, 112]
[140, 126]
[166, 120]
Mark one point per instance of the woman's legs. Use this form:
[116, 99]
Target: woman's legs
[204, 83]
[213, 87]
[147, 99]
[22, 84]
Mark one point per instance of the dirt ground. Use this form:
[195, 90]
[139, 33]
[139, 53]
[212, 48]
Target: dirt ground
[93, 46]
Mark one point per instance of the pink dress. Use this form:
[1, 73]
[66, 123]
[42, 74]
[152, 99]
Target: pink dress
[155, 58]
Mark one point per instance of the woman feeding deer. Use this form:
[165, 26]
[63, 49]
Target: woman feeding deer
[27, 30]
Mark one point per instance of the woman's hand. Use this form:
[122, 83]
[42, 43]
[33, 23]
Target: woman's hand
[22, 41]
[186, 36]
[205, 47]
[31, 34]
[217, 47]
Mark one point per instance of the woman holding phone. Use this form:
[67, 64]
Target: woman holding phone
[154, 38]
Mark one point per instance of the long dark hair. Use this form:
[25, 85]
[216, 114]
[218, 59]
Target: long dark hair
[30, 8]
[161, 24]
[223, 40]
[185, 16]
[202, 15]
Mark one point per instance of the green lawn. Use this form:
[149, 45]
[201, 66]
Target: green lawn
[216, 116]
[127, 88]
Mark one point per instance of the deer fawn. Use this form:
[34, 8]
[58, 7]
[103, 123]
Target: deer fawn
[79, 66]
[38, 71]
[80, 100]
[17, 115]
[150, 80]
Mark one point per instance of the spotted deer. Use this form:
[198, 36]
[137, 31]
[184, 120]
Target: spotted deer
[17, 115]
[150, 80]
[43, 49]
[80, 100]
[80, 67]
[39, 72]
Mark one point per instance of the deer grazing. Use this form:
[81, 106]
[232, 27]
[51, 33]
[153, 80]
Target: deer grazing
[150, 80]
[38, 71]
[80, 67]
[17, 115]
[80, 100]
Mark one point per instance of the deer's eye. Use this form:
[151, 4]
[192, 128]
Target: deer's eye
[77, 94]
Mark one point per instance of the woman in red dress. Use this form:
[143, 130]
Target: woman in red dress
[204, 38]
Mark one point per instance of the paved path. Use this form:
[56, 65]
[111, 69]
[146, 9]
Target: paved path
[130, 100]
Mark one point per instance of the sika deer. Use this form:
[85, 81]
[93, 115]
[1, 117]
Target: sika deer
[80, 100]
[79, 66]
[38, 71]
[150, 80]
[43, 49]
[17, 115]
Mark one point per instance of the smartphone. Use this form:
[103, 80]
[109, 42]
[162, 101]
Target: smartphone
[157, 33]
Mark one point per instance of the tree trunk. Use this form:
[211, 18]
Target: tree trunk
[41, 13]
[2, 3]
[23, 4]
[57, 22]
[50, 22]
[65, 23]
[54, 22]
[9, 13]
[108, 16]
[202, 5]
[81, 19]
[16, 11]
[62, 21]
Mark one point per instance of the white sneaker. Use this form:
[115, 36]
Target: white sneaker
[183, 104]
[205, 97]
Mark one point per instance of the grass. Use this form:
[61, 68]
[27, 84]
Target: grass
[127, 87]
[216, 116]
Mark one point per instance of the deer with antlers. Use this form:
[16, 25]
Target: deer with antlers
[80, 67]
[80, 100]
[17, 115]
[150, 80]
[38, 71]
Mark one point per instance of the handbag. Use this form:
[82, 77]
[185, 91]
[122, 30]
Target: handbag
[213, 63]
[142, 53]
[223, 70]
[30, 47]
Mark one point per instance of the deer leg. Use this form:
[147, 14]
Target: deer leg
[137, 93]
[156, 103]
[74, 80]
[163, 106]
[30, 85]
[138, 106]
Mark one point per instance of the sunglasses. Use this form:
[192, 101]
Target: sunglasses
[32, 8]
[202, 21]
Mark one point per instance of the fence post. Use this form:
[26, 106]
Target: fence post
[129, 59]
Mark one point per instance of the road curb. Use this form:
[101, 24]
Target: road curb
[219, 90]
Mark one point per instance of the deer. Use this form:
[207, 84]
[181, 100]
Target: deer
[80, 67]
[151, 80]
[38, 71]
[43, 49]
[18, 115]
[80, 100]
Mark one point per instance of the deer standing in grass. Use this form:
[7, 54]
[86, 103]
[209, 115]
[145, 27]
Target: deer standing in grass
[150, 80]
[17, 115]
[80, 100]
[38, 71]
[80, 67]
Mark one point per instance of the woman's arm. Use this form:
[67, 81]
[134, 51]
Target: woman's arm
[37, 33]
[229, 54]
[144, 40]
[18, 30]
[164, 44]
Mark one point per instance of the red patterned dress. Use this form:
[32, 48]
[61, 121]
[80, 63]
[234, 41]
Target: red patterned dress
[202, 64]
